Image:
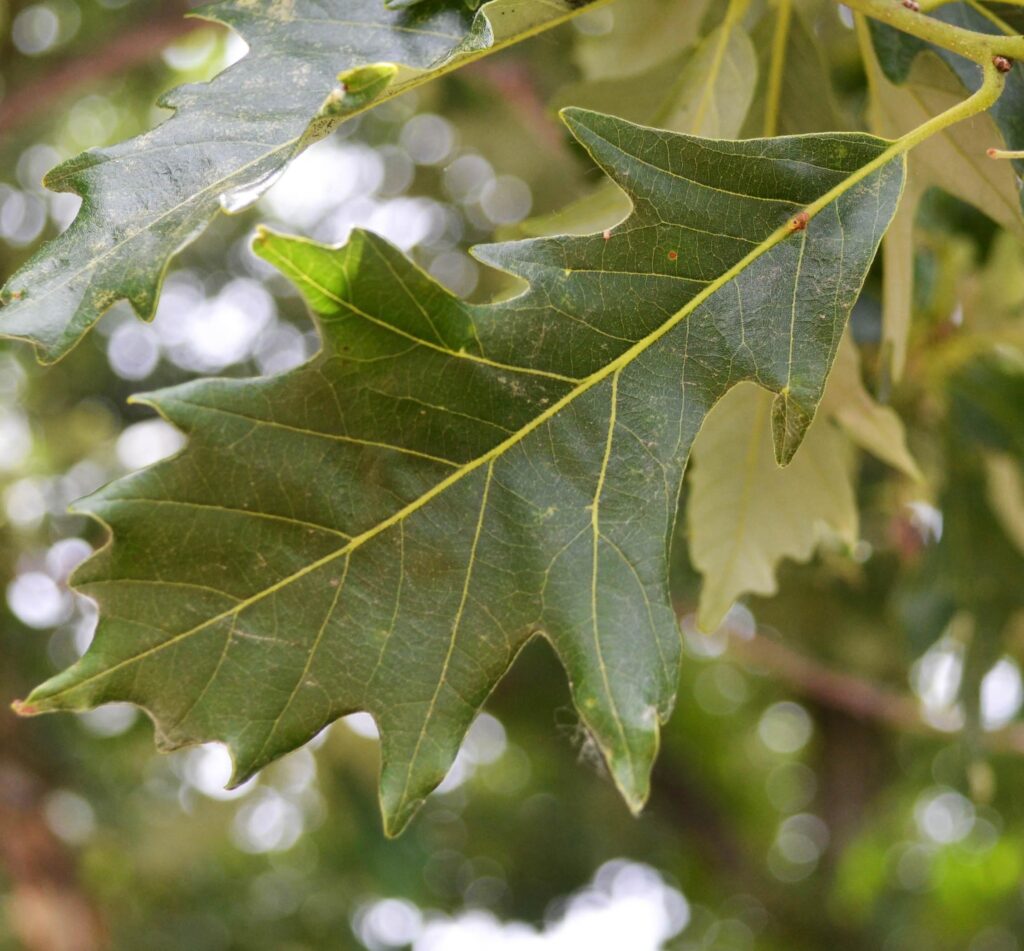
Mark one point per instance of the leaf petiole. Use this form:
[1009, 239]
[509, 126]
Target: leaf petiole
[979, 47]
[991, 88]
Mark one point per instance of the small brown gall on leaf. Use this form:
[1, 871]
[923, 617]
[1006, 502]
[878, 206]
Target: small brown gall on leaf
[673, 255]
[912, 5]
[799, 222]
[606, 234]
[1003, 63]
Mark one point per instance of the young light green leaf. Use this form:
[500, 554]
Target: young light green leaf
[716, 86]
[384, 528]
[311, 65]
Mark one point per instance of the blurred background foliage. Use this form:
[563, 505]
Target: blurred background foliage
[846, 764]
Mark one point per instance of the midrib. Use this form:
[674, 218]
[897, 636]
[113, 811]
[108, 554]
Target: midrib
[587, 384]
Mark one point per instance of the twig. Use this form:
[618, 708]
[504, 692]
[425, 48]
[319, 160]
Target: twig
[979, 47]
[856, 696]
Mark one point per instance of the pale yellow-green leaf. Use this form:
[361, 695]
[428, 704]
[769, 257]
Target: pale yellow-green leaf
[955, 159]
[870, 425]
[807, 101]
[716, 86]
[746, 514]
[642, 97]
[640, 32]
[1006, 494]
[711, 97]
[898, 280]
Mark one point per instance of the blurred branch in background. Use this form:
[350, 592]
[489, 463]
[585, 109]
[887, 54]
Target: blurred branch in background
[135, 45]
[857, 697]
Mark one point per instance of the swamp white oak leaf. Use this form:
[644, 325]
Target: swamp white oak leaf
[385, 527]
[312, 64]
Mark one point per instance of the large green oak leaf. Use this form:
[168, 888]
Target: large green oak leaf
[312, 64]
[385, 527]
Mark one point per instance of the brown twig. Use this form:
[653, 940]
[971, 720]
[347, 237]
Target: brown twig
[132, 47]
[860, 698]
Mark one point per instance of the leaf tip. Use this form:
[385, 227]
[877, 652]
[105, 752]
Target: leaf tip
[270, 244]
[262, 237]
[634, 785]
[710, 612]
[25, 709]
[789, 426]
[397, 815]
[576, 118]
[149, 400]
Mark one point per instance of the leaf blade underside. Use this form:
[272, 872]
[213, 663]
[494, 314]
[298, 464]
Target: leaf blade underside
[311, 65]
[384, 528]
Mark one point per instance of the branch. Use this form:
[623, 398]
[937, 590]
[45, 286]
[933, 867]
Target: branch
[860, 698]
[132, 47]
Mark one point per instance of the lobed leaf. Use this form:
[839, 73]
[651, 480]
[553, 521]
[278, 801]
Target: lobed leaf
[312, 64]
[385, 527]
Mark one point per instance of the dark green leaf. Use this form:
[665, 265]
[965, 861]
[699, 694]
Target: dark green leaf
[311, 65]
[384, 528]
